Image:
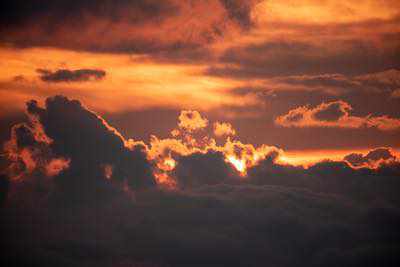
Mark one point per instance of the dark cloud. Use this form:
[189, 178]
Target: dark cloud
[200, 169]
[65, 75]
[386, 81]
[19, 13]
[373, 157]
[240, 10]
[295, 117]
[219, 225]
[66, 135]
[337, 178]
[4, 187]
[285, 58]
[332, 112]
[329, 214]
[328, 80]
[162, 29]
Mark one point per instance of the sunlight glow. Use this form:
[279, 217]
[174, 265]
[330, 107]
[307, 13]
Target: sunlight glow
[239, 165]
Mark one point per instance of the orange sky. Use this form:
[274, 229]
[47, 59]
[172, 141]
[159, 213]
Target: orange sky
[254, 60]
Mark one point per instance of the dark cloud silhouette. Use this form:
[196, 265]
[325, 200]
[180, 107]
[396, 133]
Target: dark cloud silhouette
[4, 187]
[200, 169]
[240, 10]
[69, 141]
[329, 214]
[219, 225]
[328, 80]
[371, 159]
[286, 58]
[332, 112]
[338, 178]
[65, 75]
[383, 81]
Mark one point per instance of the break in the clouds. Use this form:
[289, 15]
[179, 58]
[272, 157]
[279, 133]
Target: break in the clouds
[66, 75]
[335, 114]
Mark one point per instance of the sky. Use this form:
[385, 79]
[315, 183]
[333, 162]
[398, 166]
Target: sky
[248, 123]
[248, 63]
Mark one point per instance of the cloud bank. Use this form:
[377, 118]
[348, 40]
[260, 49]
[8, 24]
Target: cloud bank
[186, 201]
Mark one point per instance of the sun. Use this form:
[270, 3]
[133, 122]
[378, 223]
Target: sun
[239, 165]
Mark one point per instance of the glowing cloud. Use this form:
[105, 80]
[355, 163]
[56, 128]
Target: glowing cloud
[334, 115]
[223, 128]
[191, 120]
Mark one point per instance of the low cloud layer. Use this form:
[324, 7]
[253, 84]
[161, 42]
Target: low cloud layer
[65, 75]
[336, 114]
[185, 200]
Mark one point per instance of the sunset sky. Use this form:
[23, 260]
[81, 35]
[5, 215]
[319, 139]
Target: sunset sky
[185, 94]
[246, 62]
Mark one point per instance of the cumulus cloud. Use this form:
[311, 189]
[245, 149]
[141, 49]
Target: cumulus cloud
[67, 141]
[29, 151]
[191, 120]
[372, 159]
[334, 114]
[65, 75]
[215, 215]
[223, 129]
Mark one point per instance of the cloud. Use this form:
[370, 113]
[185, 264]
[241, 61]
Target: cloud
[29, 152]
[396, 93]
[191, 120]
[388, 78]
[216, 215]
[277, 58]
[223, 129]
[292, 45]
[74, 145]
[200, 169]
[356, 182]
[383, 81]
[160, 28]
[65, 75]
[240, 10]
[209, 225]
[334, 114]
[327, 80]
[372, 159]
[4, 188]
